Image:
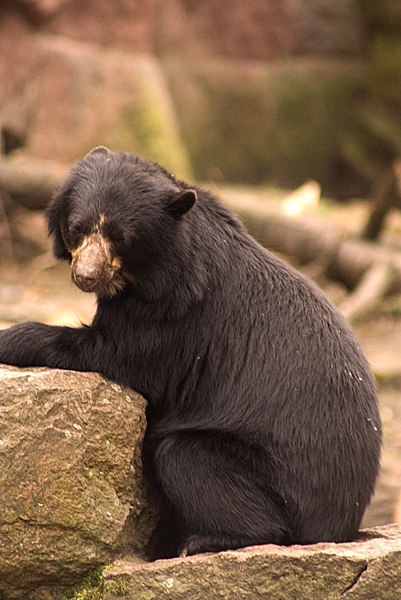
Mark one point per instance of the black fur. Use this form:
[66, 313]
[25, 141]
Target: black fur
[263, 423]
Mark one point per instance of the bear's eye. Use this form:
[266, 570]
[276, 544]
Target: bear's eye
[114, 233]
[76, 231]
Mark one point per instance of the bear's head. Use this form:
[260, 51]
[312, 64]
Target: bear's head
[116, 218]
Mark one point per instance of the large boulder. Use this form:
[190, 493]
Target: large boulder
[89, 96]
[61, 97]
[70, 475]
[258, 91]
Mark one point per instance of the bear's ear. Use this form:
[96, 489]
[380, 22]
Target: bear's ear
[181, 203]
[98, 150]
[56, 216]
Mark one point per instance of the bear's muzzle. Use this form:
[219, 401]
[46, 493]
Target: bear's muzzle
[94, 266]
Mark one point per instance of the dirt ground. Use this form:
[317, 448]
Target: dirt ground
[43, 291]
[381, 340]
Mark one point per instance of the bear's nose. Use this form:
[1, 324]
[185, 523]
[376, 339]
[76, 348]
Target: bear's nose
[90, 264]
[86, 276]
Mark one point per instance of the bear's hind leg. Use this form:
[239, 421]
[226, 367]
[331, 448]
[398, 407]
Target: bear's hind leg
[220, 490]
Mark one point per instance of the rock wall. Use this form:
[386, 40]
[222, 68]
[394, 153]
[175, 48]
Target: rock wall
[258, 91]
[260, 29]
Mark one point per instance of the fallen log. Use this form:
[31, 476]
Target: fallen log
[313, 240]
[370, 271]
[30, 182]
[369, 293]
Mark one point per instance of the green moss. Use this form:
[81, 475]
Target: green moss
[145, 121]
[386, 379]
[147, 126]
[369, 145]
[120, 588]
[385, 69]
[254, 123]
[144, 130]
[90, 588]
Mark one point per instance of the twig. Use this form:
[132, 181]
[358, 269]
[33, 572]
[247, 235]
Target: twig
[369, 293]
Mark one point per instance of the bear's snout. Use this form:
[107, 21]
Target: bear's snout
[93, 265]
[86, 276]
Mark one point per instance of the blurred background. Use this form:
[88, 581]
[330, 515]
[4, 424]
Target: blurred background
[257, 91]
[291, 109]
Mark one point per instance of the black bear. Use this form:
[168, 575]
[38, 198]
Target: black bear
[263, 423]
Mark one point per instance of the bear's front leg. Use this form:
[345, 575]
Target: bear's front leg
[32, 344]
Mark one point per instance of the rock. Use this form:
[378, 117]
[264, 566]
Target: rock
[259, 29]
[74, 498]
[88, 96]
[38, 11]
[125, 23]
[364, 570]
[384, 71]
[328, 27]
[18, 59]
[62, 97]
[70, 475]
[385, 15]
[255, 122]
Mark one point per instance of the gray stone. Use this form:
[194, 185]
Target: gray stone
[88, 96]
[368, 569]
[70, 476]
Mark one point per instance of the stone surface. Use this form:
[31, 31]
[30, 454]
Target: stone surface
[258, 29]
[385, 14]
[39, 11]
[257, 122]
[87, 96]
[17, 63]
[385, 66]
[368, 569]
[125, 23]
[70, 476]
[328, 27]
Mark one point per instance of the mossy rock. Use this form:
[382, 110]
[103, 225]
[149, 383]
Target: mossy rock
[89, 96]
[385, 67]
[147, 124]
[72, 468]
[385, 14]
[370, 145]
[258, 122]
